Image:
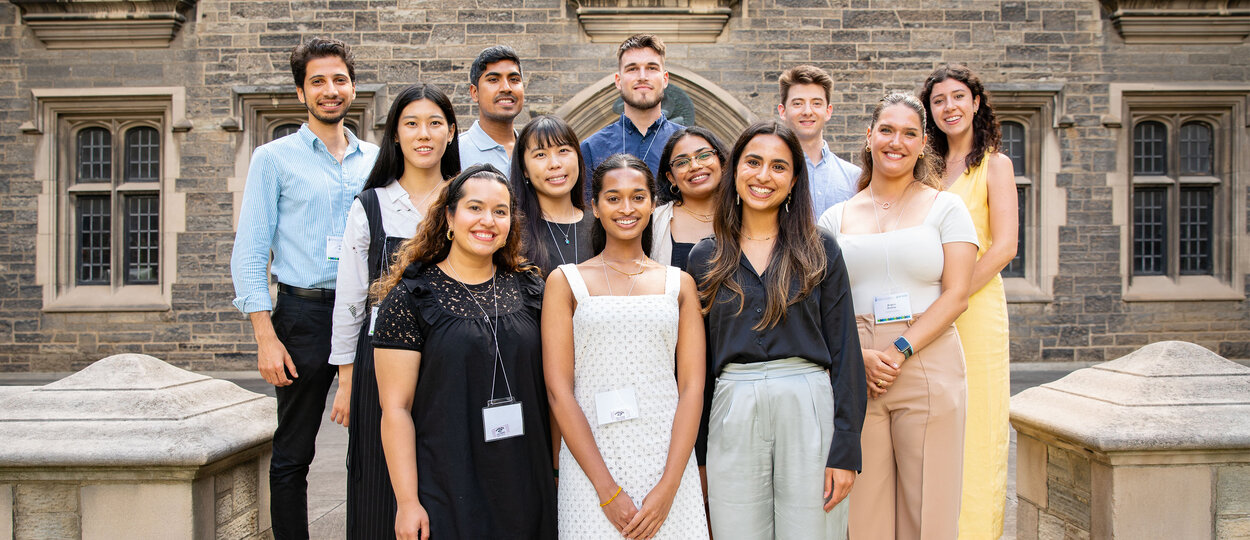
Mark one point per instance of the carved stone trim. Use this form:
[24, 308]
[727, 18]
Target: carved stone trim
[108, 24]
[680, 21]
[1194, 21]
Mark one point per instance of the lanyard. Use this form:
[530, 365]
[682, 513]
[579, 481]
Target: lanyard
[877, 218]
[644, 155]
[556, 243]
[498, 364]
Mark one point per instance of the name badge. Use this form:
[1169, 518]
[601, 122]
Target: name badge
[503, 420]
[616, 406]
[334, 247]
[373, 319]
[892, 307]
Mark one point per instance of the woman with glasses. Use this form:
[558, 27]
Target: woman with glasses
[690, 172]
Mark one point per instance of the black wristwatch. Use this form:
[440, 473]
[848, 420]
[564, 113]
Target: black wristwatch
[903, 346]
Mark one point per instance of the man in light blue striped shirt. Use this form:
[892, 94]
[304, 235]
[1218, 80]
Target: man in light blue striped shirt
[299, 190]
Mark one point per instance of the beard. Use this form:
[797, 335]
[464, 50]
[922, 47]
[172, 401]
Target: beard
[643, 104]
[328, 119]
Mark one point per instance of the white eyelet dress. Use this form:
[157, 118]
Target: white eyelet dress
[627, 342]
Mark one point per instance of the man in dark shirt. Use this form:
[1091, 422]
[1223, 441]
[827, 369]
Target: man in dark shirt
[642, 129]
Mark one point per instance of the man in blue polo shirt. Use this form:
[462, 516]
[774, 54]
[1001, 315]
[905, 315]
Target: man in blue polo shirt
[642, 130]
[496, 86]
[299, 189]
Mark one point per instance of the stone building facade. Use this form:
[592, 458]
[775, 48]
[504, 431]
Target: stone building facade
[126, 129]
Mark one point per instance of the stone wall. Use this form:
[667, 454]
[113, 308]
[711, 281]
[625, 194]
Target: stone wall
[870, 46]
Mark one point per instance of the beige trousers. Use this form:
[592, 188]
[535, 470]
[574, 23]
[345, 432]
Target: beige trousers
[912, 443]
[768, 442]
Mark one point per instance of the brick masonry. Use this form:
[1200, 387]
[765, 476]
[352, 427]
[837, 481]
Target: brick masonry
[870, 46]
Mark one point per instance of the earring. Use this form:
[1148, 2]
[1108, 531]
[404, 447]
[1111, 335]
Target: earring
[449, 234]
[788, 197]
[673, 188]
[921, 155]
[867, 148]
[739, 197]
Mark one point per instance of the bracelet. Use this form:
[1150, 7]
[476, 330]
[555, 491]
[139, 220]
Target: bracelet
[613, 498]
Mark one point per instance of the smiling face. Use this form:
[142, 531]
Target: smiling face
[423, 134]
[806, 111]
[641, 78]
[482, 218]
[624, 204]
[552, 170]
[953, 106]
[695, 167]
[896, 141]
[328, 90]
[500, 91]
[764, 174]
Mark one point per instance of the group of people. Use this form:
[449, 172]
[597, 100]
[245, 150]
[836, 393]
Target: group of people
[645, 333]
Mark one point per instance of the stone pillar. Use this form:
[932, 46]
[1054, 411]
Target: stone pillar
[131, 447]
[1155, 444]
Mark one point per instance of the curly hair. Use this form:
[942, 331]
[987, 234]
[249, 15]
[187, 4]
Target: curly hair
[430, 245]
[986, 134]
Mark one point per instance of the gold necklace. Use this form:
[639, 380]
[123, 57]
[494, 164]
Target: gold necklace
[887, 204]
[705, 218]
[765, 239]
[615, 269]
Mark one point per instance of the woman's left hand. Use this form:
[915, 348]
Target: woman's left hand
[655, 507]
[838, 484]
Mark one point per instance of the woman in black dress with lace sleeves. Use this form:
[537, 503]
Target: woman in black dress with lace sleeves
[457, 336]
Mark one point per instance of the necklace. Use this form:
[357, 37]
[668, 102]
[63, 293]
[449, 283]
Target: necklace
[887, 204]
[705, 218]
[764, 239]
[633, 278]
[559, 251]
[420, 205]
[615, 269]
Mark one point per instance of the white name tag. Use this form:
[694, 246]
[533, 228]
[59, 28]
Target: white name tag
[503, 421]
[616, 406]
[373, 319]
[334, 247]
[891, 307]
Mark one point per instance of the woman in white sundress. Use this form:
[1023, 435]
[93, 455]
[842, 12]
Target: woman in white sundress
[616, 329]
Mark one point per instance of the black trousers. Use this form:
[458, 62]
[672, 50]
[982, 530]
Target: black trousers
[303, 326]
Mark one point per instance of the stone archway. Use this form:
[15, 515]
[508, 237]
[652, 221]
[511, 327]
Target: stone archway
[715, 109]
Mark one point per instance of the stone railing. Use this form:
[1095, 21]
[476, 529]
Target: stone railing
[1155, 444]
[131, 447]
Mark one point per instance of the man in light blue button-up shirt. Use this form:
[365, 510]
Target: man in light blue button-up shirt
[806, 92]
[299, 190]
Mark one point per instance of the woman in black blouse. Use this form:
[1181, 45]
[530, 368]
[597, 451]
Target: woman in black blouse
[789, 394]
[467, 441]
[546, 176]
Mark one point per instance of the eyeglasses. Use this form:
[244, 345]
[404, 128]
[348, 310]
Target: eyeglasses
[683, 163]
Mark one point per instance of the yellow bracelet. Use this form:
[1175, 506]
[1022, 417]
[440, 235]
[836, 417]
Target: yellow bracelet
[609, 501]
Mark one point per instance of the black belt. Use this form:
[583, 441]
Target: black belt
[324, 295]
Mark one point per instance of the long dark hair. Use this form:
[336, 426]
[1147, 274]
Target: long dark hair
[390, 163]
[798, 253]
[986, 134]
[430, 245]
[598, 236]
[927, 170]
[542, 132]
[664, 190]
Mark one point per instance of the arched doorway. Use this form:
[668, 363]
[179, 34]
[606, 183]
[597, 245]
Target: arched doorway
[688, 94]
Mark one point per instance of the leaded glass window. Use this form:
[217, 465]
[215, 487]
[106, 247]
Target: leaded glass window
[1150, 148]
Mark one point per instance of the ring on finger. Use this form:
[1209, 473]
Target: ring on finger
[880, 383]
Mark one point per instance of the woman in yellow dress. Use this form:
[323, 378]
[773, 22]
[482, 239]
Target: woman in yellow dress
[962, 129]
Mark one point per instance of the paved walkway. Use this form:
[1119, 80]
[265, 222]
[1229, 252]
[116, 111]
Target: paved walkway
[327, 480]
